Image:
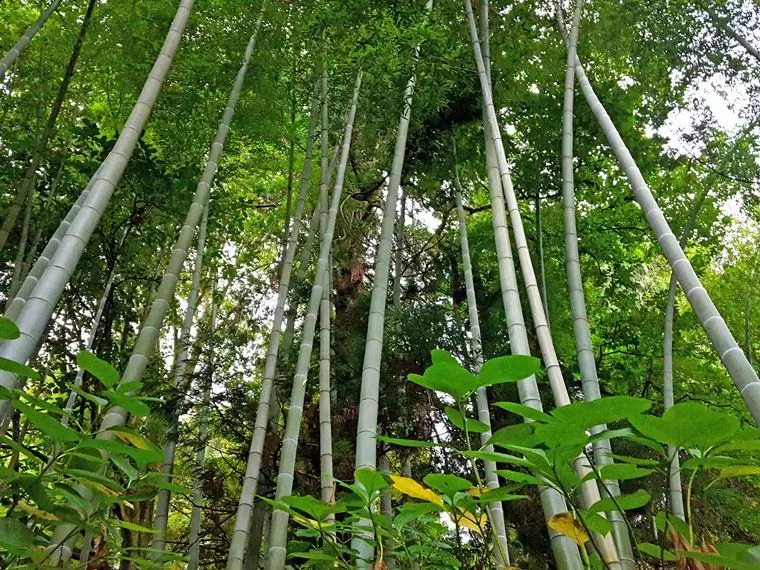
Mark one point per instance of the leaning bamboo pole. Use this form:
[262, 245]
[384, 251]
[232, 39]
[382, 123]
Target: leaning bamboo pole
[18, 48]
[279, 527]
[40, 303]
[60, 543]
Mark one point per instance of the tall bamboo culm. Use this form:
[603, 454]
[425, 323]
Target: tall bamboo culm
[565, 551]
[148, 335]
[586, 359]
[242, 527]
[724, 343]
[161, 518]
[200, 454]
[589, 491]
[279, 527]
[496, 511]
[366, 444]
[40, 303]
[13, 54]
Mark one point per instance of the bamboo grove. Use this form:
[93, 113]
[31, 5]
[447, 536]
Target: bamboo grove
[377, 284]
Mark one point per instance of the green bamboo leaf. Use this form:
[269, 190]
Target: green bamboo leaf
[18, 369]
[656, 552]
[131, 526]
[47, 424]
[100, 369]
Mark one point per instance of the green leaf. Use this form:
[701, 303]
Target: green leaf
[623, 472]
[141, 456]
[688, 424]
[510, 368]
[447, 377]
[312, 506]
[739, 471]
[624, 502]
[129, 387]
[131, 526]
[595, 522]
[8, 329]
[446, 483]
[716, 560]
[656, 552]
[370, 480]
[442, 357]
[100, 369]
[663, 520]
[46, 424]
[519, 477]
[131, 404]
[14, 536]
[87, 396]
[500, 494]
[124, 466]
[18, 369]
[464, 423]
[602, 411]
[30, 453]
[408, 442]
[524, 411]
[412, 511]
[517, 434]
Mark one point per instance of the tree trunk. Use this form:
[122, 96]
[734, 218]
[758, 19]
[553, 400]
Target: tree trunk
[279, 526]
[495, 510]
[39, 306]
[14, 53]
[398, 257]
[180, 387]
[565, 551]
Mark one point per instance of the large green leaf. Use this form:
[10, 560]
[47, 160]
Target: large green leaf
[18, 369]
[46, 424]
[131, 404]
[602, 411]
[442, 357]
[143, 457]
[370, 480]
[517, 434]
[100, 369]
[510, 368]
[524, 411]
[688, 424]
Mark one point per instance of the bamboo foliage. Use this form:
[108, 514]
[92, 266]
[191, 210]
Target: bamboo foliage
[18, 48]
[279, 526]
[148, 335]
[582, 334]
[724, 343]
[40, 303]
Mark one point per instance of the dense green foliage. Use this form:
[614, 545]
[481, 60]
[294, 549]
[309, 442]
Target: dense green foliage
[684, 95]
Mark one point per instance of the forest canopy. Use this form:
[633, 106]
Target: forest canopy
[453, 284]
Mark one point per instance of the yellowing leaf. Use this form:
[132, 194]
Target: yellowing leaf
[468, 520]
[135, 439]
[412, 488]
[475, 491]
[564, 523]
[306, 521]
[32, 510]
